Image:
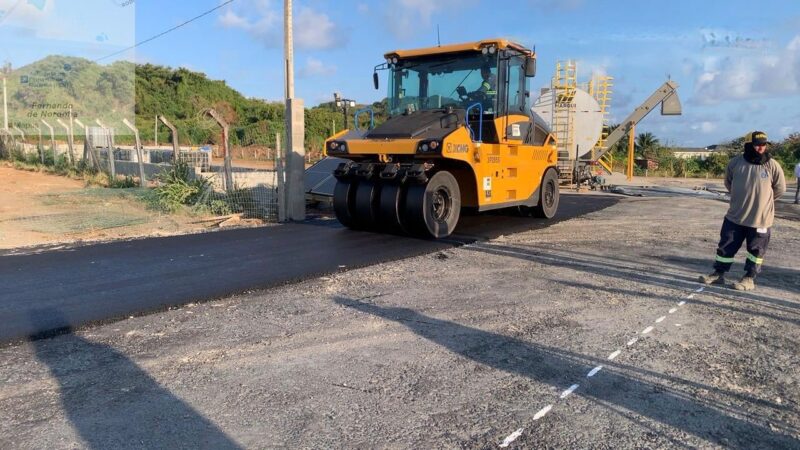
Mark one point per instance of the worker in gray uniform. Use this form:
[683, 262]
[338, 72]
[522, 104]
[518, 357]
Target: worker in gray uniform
[755, 180]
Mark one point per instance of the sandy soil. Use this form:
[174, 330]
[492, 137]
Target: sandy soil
[590, 333]
[40, 209]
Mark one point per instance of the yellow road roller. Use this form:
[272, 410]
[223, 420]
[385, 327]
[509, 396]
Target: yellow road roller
[459, 135]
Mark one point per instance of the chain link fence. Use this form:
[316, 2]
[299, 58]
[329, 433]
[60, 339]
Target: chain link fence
[198, 191]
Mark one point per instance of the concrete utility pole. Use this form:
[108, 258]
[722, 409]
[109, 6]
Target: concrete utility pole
[295, 150]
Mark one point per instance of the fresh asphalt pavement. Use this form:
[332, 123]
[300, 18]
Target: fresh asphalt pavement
[585, 333]
[104, 282]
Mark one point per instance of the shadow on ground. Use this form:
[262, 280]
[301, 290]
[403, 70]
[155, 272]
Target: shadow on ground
[714, 423]
[113, 403]
[666, 277]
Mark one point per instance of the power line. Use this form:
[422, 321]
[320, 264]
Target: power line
[165, 32]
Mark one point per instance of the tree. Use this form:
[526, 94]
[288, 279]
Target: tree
[646, 144]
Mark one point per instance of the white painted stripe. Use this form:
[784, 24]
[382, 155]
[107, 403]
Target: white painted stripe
[594, 371]
[700, 289]
[632, 341]
[661, 319]
[542, 412]
[672, 311]
[647, 330]
[614, 355]
[569, 391]
[681, 303]
[511, 438]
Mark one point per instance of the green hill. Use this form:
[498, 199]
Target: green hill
[124, 90]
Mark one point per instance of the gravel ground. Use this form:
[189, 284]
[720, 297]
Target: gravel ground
[457, 349]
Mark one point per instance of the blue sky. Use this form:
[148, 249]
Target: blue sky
[738, 62]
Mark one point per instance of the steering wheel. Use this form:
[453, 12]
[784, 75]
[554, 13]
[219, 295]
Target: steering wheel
[470, 97]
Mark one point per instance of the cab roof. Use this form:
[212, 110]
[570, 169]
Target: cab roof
[501, 44]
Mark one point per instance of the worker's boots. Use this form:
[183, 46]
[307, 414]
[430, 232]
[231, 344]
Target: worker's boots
[747, 283]
[715, 277]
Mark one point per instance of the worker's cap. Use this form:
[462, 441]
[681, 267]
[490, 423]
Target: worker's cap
[756, 138]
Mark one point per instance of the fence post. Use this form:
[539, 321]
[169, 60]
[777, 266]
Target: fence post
[69, 142]
[71, 135]
[89, 151]
[22, 137]
[52, 140]
[281, 183]
[41, 144]
[111, 163]
[176, 150]
[139, 153]
[225, 147]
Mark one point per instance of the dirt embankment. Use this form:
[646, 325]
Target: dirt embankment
[40, 209]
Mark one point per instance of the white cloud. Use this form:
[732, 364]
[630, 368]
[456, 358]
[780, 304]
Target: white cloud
[408, 18]
[704, 127]
[315, 68]
[750, 76]
[263, 21]
[23, 12]
[315, 30]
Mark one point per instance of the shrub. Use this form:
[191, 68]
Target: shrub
[178, 188]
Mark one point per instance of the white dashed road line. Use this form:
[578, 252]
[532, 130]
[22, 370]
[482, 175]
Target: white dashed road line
[594, 371]
[542, 412]
[569, 391]
[511, 438]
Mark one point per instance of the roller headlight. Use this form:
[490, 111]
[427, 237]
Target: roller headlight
[337, 147]
[431, 146]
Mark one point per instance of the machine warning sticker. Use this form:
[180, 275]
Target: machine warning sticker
[487, 186]
[515, 130]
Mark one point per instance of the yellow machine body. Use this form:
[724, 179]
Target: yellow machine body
[486, 139]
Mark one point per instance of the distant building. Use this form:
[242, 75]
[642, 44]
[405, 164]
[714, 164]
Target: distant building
[691, 152]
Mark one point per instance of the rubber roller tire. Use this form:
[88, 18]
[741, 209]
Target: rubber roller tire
[548, 196]
[391, 208]
[433, 209]
[365, 207]
[344, 202]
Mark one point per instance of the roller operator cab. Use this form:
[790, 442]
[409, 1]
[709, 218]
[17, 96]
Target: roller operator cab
[459, 135]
